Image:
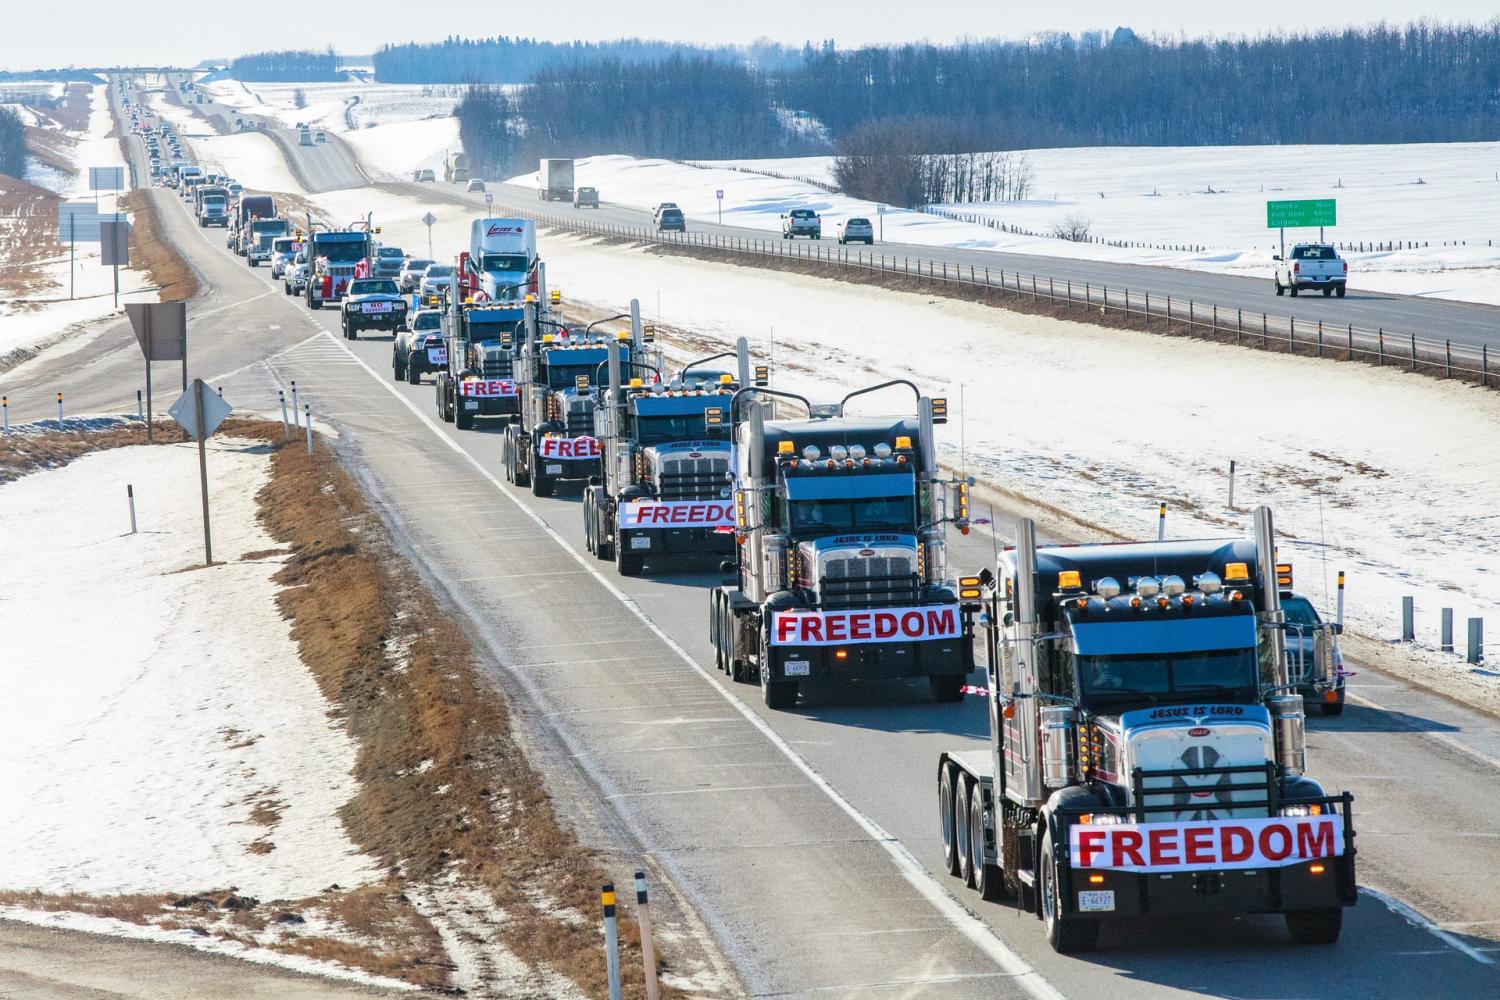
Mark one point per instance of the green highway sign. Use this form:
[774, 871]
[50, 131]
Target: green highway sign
[1293, 214]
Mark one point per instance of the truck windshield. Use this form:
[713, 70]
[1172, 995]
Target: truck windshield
[497, 262]
[342, 252]
[565, 376]
[269, 226]
[371, 287]
[1228, 674]
[1314, 253]
[875, 514]
[664, 430]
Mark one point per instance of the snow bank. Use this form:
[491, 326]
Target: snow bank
[251, 158]
[396, 149]
[326, 104]
[152, 706]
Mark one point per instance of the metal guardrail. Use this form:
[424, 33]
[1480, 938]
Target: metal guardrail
[1442, 358]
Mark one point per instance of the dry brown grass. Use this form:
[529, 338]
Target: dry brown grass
[151, 250]
[344, 589]
[28, 235]
[74, 113]
[134, 908]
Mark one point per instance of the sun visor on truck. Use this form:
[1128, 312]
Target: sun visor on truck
[1181, 635]
[834, 486]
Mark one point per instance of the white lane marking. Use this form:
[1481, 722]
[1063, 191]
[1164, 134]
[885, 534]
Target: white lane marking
[703, 791]
[261, 361]
[980, 934]
[1421, 920]
[1443, 738]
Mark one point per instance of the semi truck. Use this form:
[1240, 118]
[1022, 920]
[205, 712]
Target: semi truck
[455, 167]
[841, 555]
[1146, 748]
[259, 235]
[555, 180]
[212, 205]
[665, 459]
[250, 206]
[501, 263]
[478, 378]
[335, 258]
[555, 438]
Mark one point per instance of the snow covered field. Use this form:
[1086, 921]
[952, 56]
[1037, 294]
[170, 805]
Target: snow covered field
[46, 309]
[368, 104]
[158, 721]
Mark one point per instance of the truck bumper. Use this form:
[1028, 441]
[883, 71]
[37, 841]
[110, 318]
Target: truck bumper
[874, 660]
[1265, 890]
[564, 468]
[674, 541]
[1304, 283]
[481, 406]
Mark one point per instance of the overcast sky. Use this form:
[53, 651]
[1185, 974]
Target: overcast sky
[113, 32]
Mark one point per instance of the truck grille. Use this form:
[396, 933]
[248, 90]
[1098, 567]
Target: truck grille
[580, 420]
[691, 478]
[495, 364]
[879, 581]
[341, 270]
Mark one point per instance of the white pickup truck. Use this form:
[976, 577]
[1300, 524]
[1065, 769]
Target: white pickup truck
[1312, 266]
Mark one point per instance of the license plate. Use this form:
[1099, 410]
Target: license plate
[554, 470]
[798, 668]
[376, 307]
[640, 542]
[471, 404]
[1097, 901]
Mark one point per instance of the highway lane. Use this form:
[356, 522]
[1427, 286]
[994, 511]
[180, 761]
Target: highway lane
[800, 892]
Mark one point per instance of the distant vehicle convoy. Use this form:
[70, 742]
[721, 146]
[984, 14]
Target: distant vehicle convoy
[1312, 266]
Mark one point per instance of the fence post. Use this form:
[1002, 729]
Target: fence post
[1239, 324]
[1414, 352]
[1445, 633]
[1291, 333]
[1216, 320]
[1476, 640]
[1447, 359]
[1265, 332]
[1408, 619]
[1320, 338]
[1070, 291]
[1484, 361]
[1351, 342]
[1190, 316]
[1105, 310]
[1051, 291]
[1033, 288]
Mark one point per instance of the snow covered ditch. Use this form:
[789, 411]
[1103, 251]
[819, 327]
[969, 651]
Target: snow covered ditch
[1387, 476]
[162, 733]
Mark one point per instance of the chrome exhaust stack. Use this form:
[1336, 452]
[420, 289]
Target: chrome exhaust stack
[1288, 721]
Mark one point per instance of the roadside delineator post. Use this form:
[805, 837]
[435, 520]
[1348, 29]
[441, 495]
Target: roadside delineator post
[1476, 640]
[1231, 484]
[1445, 634]
[140, 413]
[294, 401]
[286, 428]
[1408, 620]
[648, 947]
[59, 412]
[1161, 521]
[1341, 599]
[307, 412]
[611, 940]
[5, 414]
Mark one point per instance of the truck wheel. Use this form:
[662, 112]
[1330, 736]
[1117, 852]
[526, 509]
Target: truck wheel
[413, 374]
[988, 880]
[1332, 707]
[397, 368]
[1280, 288]
[947, 687]
[1066, 936]
[542, 485]
[962, 785]
[948, 820]
[522, 477]
[1292, 290]
[604, 545]
[1327, 291]
[463, 419]
[1339, 291]
[313, 303]
[251, 261]
[1315, 926]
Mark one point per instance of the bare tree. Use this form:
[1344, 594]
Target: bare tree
[1075, 228]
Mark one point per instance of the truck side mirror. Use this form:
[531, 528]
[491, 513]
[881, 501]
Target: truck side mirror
[1276, 257]
[1338, 628]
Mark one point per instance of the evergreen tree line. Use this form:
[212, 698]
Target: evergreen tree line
[679, 107]
[1420, 83]
[12, 144]
[300, 66]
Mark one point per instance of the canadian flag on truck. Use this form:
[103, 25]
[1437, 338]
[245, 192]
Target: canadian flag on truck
[362, 269]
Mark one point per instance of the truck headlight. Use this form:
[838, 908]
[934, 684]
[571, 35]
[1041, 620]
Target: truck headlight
[1103, 819]
[1301, 810]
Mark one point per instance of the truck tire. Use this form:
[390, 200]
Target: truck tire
[604, 545]
[1315, 926]
[463, 420]
[522, 477]
[1067, 936]
[1292, 290]
[947, 687]
[988, 880]
[413, 374]
[1280, 288]
[313, 303]
[397, 368]
[1339, 291]
[962, 785]
[251, 261]
[1327, 291]
[1332, 707]
[948, 818]
[542, 485]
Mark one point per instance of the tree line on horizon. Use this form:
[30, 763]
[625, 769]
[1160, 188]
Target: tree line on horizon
[290, 66]
[12, 144]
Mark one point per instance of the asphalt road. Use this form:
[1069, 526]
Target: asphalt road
[808, 839]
